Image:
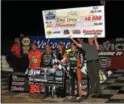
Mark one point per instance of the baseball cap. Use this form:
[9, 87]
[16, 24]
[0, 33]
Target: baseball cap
[48, 44]
[61, 43]
[73, 44]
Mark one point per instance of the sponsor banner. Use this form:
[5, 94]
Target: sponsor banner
[111, 54]
[45, 75]
[79, 22]
[19, 83]
[18, 78]
[15, 88]
[105, 62]
[116, 62]
[37, 80]
[114, 47]
[58, 78]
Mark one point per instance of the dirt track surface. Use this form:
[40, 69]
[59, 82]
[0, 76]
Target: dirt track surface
[27, 98]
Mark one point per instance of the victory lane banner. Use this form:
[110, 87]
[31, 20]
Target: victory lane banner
[111, 52]
[41, 42]
[83, 22]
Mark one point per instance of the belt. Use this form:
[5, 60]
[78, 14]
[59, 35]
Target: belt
[74, 68]
[93, 60]
[34, 68]
[46, 67]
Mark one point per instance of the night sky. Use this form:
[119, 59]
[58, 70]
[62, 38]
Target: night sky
[25, 17]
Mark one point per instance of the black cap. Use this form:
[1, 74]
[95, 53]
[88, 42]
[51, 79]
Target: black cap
[61, 43]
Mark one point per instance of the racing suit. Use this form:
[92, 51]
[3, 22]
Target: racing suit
[61, 57]
[47, 60]
[47, 63]
[34, 59]
[76, 62]
[34, 65]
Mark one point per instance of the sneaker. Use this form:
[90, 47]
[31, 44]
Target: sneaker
[90, 95]
[98, 95]
[78, 98]
[71, 97]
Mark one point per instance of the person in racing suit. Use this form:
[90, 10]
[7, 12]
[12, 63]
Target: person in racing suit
[62, 56]
[47, 63]
[75, 59]
[47, 57]
[34, 56]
